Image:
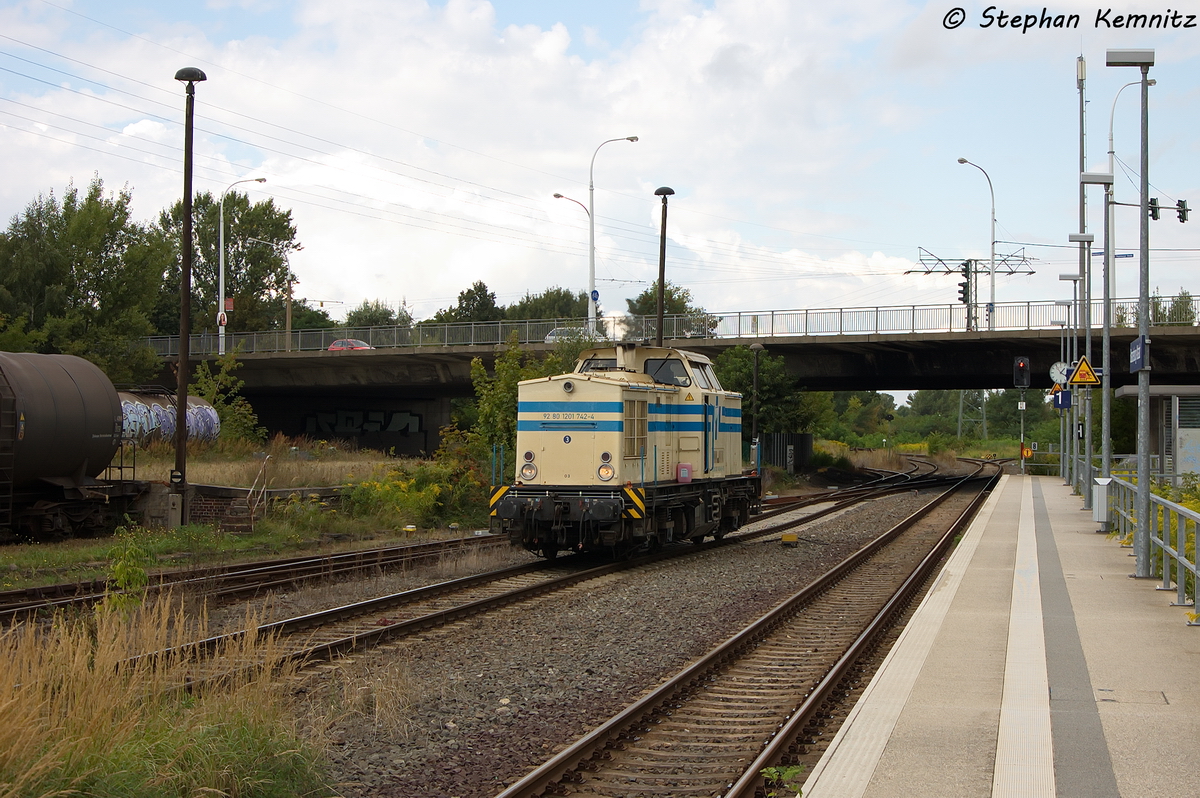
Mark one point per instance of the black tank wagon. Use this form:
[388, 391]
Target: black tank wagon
[60, 427]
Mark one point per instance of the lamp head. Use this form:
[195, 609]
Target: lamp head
[190, 75]
[962, 160]
[558, 196]
[631, 138]
[756, 347]
[1137, 58]
[663, 192]
[260, 180]
[1096, 178]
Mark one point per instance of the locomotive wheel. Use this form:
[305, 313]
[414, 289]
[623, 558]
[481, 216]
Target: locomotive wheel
[550, 553]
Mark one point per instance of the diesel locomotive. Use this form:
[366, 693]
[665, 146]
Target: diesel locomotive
[637, 447]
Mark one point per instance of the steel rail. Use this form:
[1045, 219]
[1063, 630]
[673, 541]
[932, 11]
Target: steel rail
[240, 579]
[775, 750]
[638, 712]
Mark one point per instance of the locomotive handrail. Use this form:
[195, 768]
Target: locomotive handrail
[880, 320]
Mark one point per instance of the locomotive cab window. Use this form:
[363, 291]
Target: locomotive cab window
[597, 364]
[708, 372]
[701, 378]
[668, 371]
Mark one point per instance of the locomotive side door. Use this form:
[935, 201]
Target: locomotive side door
[712, 426]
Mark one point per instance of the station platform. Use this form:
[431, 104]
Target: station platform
[1035, 667]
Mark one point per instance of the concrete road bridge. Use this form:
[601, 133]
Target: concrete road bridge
[399, 393]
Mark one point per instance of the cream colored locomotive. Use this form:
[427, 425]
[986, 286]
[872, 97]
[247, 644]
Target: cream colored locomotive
[637, 447]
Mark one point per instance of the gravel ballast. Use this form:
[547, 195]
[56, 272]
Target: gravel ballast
[467, 709]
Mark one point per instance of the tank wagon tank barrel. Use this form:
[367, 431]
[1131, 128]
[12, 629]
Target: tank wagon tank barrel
[61, 424]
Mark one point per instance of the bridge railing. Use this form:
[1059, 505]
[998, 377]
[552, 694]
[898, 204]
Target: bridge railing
[883, 320]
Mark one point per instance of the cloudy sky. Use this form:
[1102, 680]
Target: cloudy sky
[812, 146]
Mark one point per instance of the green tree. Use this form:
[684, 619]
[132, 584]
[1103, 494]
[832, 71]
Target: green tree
[782, 406]
[306, 317]
[496, 397]
[1004, 415]
[377, 313]
[256, 273]
[83, 278]
[553, 303]
[677, 301]
[221, 389]
[476, 303]
[927, 413]
[1181, 310]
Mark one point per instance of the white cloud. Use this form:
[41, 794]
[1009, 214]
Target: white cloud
[418, 145]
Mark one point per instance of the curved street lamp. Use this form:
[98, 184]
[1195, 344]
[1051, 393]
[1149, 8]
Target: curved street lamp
[221, 318]
[591, 209]
[992, 266]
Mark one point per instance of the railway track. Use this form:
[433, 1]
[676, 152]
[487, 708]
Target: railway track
[246, 579]
[339, 631]
[702, 733]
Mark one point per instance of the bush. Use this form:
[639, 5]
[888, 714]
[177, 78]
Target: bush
[427, 493]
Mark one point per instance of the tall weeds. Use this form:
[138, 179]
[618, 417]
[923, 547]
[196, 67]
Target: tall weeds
[82, 713]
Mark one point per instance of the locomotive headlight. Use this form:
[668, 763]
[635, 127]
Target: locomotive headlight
[606, 472]
[528, 471]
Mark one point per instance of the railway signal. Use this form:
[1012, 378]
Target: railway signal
[1182, 209]
[1021, 372]
[1154, 210]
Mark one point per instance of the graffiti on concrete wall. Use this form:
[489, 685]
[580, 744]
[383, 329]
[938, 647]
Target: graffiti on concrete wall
[352, 423]
[148, 417]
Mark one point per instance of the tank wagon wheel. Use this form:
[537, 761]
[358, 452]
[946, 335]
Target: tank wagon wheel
[550, 552]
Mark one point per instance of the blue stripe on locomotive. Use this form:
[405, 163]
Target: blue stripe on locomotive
[529, 425]
[583, 426]
[570, 407]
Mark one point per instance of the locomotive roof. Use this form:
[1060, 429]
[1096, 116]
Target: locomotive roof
[626, 363]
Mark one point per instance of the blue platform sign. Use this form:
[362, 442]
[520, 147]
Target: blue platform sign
[595, 296]
[1139, 354]
[1062, 400]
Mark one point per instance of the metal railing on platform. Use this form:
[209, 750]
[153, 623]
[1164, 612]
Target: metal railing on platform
[1172, 537]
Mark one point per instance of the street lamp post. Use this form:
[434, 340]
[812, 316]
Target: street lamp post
[591, 305]
[280, 249]
[1062, 429]
[992, 261]
[1142, 59]
[1105, 179]
[1085, 303]
[756, 348]
[1074, 280]
[1068, 337]
[591, 209]
[221, 317]
[191, 76]
[663, 192]
[1112, 166]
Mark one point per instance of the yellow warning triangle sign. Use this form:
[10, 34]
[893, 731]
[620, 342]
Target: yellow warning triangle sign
[1084, 374]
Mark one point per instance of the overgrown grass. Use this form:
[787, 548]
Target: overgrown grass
[294, 462]
[294, 528]
[81, 715]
